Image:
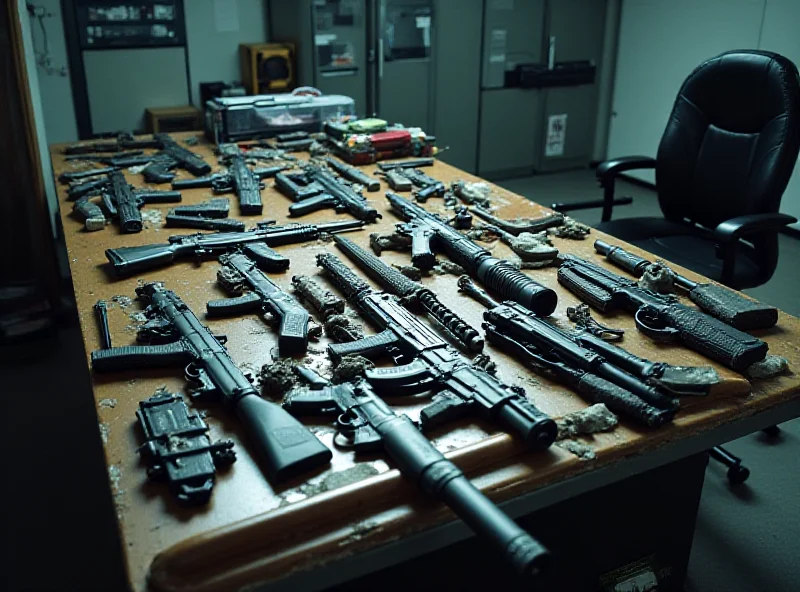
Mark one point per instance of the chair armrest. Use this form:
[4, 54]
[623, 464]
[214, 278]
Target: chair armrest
[611, 168]
[728, 233]
[735, 228]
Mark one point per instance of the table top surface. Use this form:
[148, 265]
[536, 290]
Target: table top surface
[252, 531]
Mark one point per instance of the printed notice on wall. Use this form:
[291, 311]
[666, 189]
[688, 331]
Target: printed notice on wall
[497, 46]
[226, 16]
[556, 135]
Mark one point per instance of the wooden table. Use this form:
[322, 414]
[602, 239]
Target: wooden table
[307, 532]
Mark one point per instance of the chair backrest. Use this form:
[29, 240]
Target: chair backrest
[732, 139]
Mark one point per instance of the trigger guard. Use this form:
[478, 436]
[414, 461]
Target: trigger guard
[657, 331]
[192, 372]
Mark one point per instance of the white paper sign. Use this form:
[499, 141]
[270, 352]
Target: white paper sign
[497, 46]
[226, 16]
[556, 135]
[324, 39]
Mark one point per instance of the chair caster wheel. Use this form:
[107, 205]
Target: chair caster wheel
[772, 431]
[738, 474]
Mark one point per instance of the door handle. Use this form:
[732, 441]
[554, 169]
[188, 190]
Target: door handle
[380, 57]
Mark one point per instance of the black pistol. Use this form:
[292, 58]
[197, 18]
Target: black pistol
[175, 336]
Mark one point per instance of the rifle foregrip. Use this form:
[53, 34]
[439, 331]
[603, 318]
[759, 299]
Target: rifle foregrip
[344, 278]
[514, 285]
[250, 202]
[369, 347]
[130, 218]
[593, 295]
[620, 401]
[733, 308]
[441, 479]
[130, 357]
[715, 339]
[463, 332]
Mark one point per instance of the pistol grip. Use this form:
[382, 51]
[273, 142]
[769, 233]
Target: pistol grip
[157, 173]
[266, 258]
[312, 204]
[422, 256]
[593, 295]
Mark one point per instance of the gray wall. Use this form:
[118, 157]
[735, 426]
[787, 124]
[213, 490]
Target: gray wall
[213, 55]
[56, 91]
[660, 43]
[39, 113]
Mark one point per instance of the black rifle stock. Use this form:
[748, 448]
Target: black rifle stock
[725, 304]
[658, 316]
[432, 365]
[368, 424]
[263, 294]
[496, 274]
[257, 244]
[176, 336]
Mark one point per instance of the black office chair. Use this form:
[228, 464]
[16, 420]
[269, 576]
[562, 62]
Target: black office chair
[724, 161]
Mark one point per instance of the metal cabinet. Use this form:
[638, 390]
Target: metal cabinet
[514, 122]
[456, 80]
[573, 39]
[509, 131]
[510, 118]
